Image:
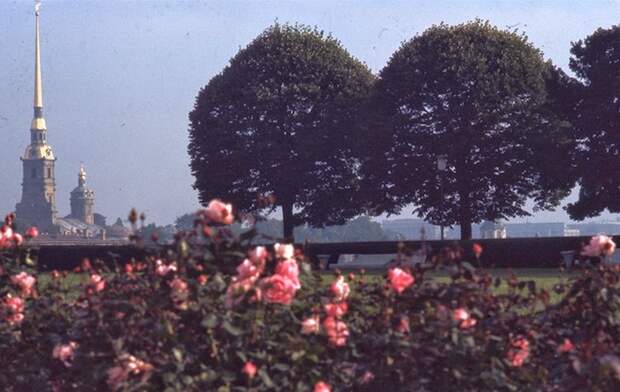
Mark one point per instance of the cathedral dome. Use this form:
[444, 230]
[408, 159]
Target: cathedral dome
[39, 151]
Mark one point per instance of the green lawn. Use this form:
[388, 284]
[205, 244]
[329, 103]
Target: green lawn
[543, 278]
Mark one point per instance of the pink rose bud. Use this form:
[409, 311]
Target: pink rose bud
[340, 289]
[249, 369]
[322, 387]
[566, 346]
[64, 352]
[311, 325]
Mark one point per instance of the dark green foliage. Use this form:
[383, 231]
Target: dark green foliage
[280, 121]
[596, 61]
[485, 98]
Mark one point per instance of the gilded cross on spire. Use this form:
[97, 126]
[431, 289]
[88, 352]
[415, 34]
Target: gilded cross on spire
[82, 175]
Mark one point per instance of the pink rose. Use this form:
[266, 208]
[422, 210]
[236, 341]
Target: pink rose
[25, 282]
[599, 245]
[162, 269]
[516, 358]
[15, 307]
[519, 351]
[340, 289]
[179, 293]
[64, 352]
[337, 331]
[284, 251]
[337, 309]
[566, 346]
[134, 365]
[403, 325]
[278, 289]
[96, 283]
[400, 279]
[367, 377]
[32, 232]
[249, 369]
[464, 318]
[311, 325]
[219, 212]
[289, 269]
[202, 279]
[14, 304]
[322, 387]
[247, 269]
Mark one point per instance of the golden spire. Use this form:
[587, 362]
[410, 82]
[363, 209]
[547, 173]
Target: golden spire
[38, 122]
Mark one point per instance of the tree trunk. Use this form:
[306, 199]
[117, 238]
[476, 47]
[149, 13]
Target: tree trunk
[466, 230]
[288, 222]
[465, 215]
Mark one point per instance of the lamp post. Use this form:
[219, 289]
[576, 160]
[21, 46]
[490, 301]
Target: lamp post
[442, 165]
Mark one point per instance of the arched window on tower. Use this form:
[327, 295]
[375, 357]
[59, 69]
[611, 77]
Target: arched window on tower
[33, 173]
[49, 172]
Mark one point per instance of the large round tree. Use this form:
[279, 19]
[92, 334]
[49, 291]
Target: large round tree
[596, 62]
[279, 124]
[486, 100]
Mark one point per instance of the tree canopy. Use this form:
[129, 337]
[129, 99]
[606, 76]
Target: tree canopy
[596, 62]
[278, 124]
[486, 100]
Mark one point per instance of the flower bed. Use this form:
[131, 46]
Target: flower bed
[218, 315]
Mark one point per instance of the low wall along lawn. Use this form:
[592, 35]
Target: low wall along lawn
[506, 253]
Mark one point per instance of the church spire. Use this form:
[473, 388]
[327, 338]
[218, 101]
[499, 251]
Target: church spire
[38, 122]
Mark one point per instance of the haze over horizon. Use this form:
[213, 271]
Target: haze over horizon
[119, 78]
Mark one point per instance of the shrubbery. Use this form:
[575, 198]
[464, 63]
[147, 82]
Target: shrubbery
[213, 314]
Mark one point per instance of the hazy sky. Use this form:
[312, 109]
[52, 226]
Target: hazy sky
[119, 77]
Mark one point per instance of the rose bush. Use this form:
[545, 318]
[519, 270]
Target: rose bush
[213, 313]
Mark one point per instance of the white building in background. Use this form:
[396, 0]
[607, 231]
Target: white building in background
[412, 229]
[492, 230]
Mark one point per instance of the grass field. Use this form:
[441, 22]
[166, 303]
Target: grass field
[543, 278]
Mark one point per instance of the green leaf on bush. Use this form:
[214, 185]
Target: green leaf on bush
[178, 354]
[297, 355]
[232, 329]
[265, 378]
[281, 367]
[210, 321]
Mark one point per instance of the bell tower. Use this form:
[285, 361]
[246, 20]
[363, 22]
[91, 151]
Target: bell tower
[38, 203]
[82, 200]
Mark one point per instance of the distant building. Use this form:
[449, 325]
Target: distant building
[541, 229]
[594, 228]
[492, 230]
[38, 202]
[412, 229]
